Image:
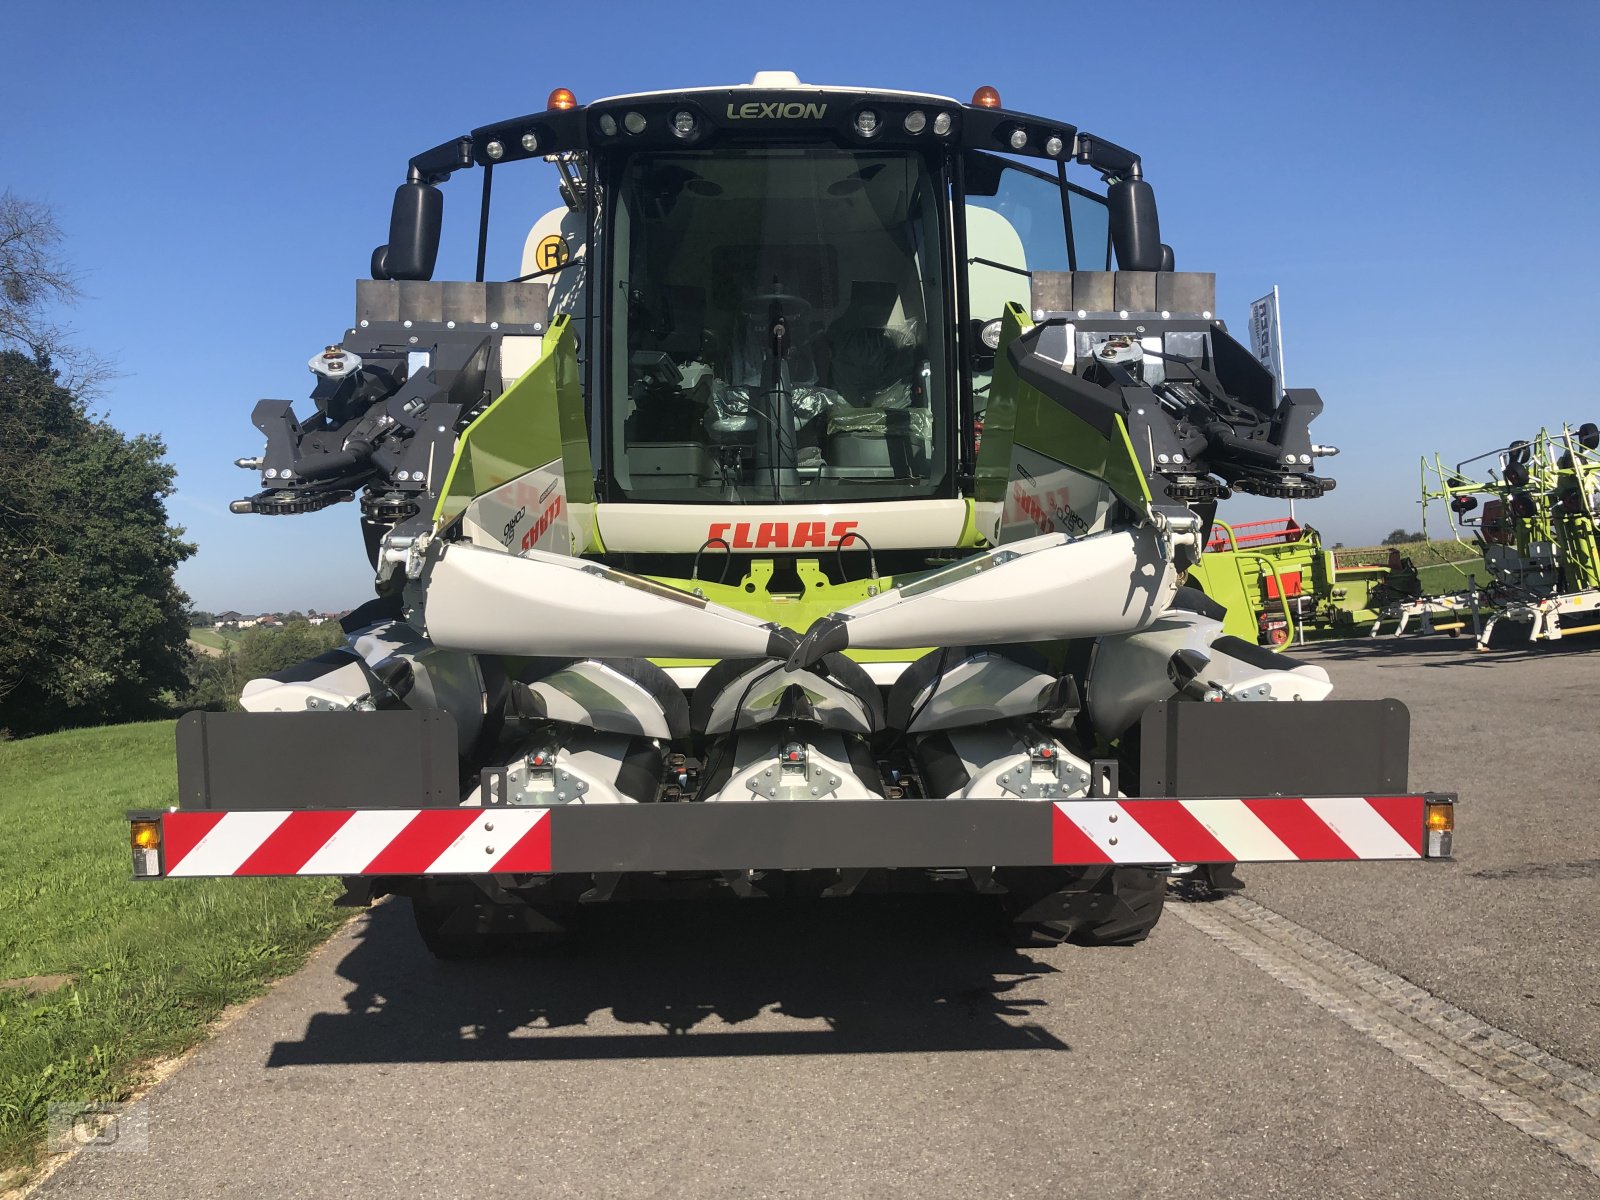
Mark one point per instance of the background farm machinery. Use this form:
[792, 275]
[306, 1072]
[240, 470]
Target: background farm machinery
[1530, 508]
[1278, 581]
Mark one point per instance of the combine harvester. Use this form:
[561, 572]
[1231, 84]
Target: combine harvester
[1534, 518]
[810, 515]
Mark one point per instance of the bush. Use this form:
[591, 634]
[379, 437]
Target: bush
[215, 680]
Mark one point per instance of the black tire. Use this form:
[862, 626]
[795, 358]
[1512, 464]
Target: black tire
[456, 932]
[1138, 898]
[1118, 909]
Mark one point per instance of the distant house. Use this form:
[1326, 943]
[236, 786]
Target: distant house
[227, 619]
[268, 621]
[316, 619]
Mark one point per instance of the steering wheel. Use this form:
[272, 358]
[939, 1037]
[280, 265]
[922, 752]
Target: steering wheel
[792, 306]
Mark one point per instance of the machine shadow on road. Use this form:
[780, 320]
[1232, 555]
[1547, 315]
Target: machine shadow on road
[1442, 651]
[867, 975]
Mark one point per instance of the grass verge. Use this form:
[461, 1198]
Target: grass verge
[149, 965]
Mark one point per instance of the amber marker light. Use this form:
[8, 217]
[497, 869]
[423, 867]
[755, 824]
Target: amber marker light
[986, 97]
[1439, 822]
[562, 98]
[145, 836]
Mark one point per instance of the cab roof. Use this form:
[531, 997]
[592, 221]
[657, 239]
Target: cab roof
[774, 108]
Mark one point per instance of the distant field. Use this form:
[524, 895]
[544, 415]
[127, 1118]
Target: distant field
[147, 965]
[1442, 567]
[1422, 553]
[215, 638]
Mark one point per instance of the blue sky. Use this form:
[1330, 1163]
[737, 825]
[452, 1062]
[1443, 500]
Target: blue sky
[1420, 180]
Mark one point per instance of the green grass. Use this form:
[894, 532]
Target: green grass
[1444, 578]
[215, 638]
[151, 963]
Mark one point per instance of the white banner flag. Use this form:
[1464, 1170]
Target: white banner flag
[1266, 334]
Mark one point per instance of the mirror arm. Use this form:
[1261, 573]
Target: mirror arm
[1111, 160]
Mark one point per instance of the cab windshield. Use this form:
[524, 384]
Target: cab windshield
[777, 321]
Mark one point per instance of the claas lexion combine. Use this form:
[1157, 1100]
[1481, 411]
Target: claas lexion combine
[809, 515]
[1532, 509]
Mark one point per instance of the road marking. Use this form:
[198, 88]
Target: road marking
[1546, 1097]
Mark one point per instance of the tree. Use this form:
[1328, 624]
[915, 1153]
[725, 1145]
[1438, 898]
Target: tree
[263, 651]
[92, 623]
[1400, 537]
[35, 281]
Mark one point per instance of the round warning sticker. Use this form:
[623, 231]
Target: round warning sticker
[551, 252]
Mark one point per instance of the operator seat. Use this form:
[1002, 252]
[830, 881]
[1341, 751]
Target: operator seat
[873, 366]
[871, 360]
[871, 306]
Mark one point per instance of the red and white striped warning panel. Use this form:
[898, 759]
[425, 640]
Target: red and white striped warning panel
[375, 841]
[505, 840]
[1279, 829]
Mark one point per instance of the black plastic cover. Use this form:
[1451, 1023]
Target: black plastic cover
[1330, 748]
[399, 758]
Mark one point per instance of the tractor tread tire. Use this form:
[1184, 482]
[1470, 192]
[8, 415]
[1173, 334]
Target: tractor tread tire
[1119, 911]
[1143, 896]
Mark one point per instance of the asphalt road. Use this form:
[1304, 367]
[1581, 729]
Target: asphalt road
[892, 1049]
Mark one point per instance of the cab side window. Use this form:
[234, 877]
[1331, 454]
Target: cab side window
[1016, 224]
[1091, 231]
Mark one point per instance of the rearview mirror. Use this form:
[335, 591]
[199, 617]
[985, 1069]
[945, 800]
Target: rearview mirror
[414, 225]
[1135, 227]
